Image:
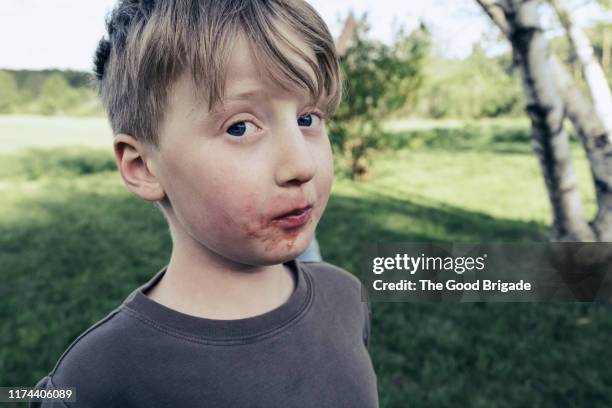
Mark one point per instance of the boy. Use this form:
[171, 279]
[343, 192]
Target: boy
[218, 109]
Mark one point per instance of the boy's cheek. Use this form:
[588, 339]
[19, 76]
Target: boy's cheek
[326, 180]
[236, 217]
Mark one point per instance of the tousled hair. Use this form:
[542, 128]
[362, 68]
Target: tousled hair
[151, 43]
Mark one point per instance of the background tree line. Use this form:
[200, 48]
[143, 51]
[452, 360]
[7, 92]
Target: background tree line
[47, 92]
[478, 86]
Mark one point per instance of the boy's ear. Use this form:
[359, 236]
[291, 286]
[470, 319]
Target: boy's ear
[132, 163]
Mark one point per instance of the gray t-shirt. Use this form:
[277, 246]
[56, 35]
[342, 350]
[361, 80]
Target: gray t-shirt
[309, 352]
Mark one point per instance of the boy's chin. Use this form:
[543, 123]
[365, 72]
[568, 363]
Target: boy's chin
[282, 254]
[280, 257]
[267, 253]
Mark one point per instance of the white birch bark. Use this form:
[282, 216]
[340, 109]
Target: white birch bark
[546, 110]
[593, 136]
[596, 143]
[592, 71]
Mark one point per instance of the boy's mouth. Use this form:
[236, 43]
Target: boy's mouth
[294, 218]
[295, 212]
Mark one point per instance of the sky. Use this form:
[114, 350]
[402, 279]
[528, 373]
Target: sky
[39, 34]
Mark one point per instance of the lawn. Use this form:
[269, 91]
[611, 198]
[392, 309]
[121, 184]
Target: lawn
[74, 243]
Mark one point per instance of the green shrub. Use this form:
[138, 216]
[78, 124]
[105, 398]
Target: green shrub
[9, 95]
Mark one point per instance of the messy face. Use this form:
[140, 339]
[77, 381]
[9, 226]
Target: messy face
[231, 174]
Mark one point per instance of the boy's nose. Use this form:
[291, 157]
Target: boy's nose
[295, 161]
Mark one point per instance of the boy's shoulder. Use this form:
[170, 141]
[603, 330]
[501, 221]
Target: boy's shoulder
[325, 271]
[341, 291]
[101, 349]
[332, 279]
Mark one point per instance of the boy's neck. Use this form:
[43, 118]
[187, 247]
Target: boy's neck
[199, 285]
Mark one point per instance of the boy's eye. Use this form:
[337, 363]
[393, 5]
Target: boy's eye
[240, 128]
[307, 119]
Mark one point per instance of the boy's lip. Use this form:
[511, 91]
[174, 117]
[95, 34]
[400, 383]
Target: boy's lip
[294, 219]
[294, 211]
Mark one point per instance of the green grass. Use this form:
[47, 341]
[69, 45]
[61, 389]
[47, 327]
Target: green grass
[18, 132]
[74, 243]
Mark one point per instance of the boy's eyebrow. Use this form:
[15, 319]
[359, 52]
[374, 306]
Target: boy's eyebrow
[249, 94]
[246, 94]
[219, 107]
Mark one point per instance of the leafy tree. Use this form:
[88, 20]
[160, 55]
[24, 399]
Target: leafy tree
[56, 95]
[380, 79]
[473, 88]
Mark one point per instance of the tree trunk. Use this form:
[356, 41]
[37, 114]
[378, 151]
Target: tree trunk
[545, 108]
[596, 144]
[592, 71]
[605, 50]
[593, 136]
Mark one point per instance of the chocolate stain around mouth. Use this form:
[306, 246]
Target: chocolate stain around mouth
[267, 233]
[272, 237]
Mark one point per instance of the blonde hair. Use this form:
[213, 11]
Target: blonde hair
[152, 42]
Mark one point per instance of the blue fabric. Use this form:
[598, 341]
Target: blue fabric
[312, 253]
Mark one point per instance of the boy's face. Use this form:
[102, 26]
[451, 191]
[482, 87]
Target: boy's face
[228, 174]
